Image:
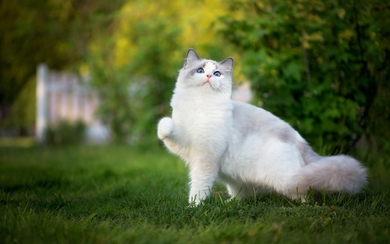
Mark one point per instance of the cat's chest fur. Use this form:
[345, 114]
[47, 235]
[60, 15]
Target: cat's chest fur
[204, 120]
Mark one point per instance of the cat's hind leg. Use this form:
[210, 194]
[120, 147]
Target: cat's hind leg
[240, 191]
[234, 190]
[296, 196]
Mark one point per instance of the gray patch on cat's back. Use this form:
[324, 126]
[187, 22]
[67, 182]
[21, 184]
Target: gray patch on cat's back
[284, 133]
[289, 135]
[308, 155]
[275, 127]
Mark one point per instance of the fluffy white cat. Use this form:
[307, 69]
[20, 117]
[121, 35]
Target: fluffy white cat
[245, 147]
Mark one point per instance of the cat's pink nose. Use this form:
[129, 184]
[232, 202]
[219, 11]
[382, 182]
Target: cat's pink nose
[208, 76]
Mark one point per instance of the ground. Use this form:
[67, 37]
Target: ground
[119, 194]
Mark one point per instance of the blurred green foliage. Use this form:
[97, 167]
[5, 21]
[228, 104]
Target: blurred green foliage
[65, 133]
[136, 94]
[23, 109]
[324, 66]
[55, 32]
[321, 65]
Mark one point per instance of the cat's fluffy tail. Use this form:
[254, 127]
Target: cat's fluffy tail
[332, 174]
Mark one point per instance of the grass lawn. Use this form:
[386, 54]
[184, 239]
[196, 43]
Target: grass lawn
[117, 194]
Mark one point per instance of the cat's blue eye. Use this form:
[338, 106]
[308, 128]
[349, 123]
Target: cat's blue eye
[217, 73]
[200, 70]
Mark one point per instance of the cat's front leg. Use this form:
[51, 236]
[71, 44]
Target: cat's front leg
[202, 181]
[165, 128]
[167, 131]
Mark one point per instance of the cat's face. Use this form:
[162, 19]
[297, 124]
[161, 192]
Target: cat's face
[207, 74]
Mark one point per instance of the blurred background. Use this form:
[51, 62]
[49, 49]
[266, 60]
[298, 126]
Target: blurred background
[75, 71]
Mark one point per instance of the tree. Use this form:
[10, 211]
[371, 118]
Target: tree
[55, 32]
[320, 65]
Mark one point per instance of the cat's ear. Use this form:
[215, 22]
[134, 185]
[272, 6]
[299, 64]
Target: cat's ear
[191, 57]
[228, 64]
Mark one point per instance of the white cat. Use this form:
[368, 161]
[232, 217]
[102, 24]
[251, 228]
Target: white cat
[245, 147]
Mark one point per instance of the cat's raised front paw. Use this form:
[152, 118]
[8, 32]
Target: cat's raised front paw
[165, 128]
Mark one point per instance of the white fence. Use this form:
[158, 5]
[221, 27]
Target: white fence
[64, 96]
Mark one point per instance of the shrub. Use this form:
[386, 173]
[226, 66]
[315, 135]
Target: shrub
[65, 133]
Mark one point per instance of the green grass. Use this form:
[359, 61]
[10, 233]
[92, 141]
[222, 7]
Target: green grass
[117, 194]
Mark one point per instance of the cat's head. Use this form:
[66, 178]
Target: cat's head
[207, 74]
